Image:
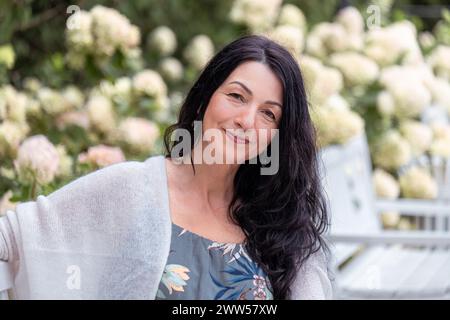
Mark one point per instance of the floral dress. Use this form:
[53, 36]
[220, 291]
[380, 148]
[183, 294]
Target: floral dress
[201, 269]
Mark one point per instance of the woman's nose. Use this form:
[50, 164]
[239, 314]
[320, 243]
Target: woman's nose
[246, 117]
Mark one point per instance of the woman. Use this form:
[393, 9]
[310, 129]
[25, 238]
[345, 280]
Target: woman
[202, 222]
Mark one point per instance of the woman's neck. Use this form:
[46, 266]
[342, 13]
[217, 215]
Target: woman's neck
[212, 184]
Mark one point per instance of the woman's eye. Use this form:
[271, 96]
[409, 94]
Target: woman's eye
[270, 114]
[237, 96]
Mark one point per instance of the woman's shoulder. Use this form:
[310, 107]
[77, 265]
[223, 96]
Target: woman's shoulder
[116, 195]
[120, 177]
[314, 279]
[131, 169]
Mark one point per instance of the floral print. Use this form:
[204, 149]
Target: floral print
[174, 278]
[247, 275]
[231, 249]
[199, 268]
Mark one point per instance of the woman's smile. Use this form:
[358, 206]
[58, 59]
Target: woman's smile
[236, 139]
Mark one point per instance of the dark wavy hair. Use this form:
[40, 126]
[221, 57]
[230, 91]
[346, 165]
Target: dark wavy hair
[284, 216]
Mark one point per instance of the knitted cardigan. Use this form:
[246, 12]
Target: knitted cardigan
[107, 235]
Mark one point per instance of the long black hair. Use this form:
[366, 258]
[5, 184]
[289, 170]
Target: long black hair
[283, 215]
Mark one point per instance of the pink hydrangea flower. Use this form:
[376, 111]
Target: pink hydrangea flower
[37, 159]
[102, 155]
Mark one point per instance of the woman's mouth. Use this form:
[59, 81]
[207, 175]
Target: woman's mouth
[236, 139]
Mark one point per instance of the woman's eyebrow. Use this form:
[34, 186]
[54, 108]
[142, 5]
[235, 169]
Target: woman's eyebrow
[251, 93]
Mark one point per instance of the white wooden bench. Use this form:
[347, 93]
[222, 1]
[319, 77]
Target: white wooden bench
[440, 169]
[372, 263]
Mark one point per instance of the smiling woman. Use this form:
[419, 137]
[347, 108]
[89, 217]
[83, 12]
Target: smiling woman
[159, 229]
[245, 103]
[253, 86]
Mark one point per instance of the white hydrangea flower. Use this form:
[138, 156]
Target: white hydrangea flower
[138, 134]
[440, 130]
[424, 74]
[440, 147]
[163, 39]
[65, 162]
[105, 88]
[255, 14]
[321, 82]
[123, 87]
[390, 219]
[311, 68]
[418, 135]
[356, 68]
[326, 38]
[439, 61]
[351, 20]
[315, 47]
[32, 84]
[101, 114]
[408, 87]
[426, 40]
[37, 160]
[391, 151]
[385, 103]
[391, 75]
[387, 45]
[132, 41]
[336, 126]
[289, 37]
[171, 69]
[12, 104]
[149, 82]
[418, 183]
[336, 102]
[329, 83]
[102, 156]
[52, 102]
[410, 97]
[11, 134]
[440, 91]
[333, 35]
[355, 42]
[73, 97]
[99, 32]
[80, 36]
[199, 51]
[106, 23]
[112, 30]
[386, 186]
[292, 15]
[441, 140]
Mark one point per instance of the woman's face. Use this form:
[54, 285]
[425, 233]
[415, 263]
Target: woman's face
[248, 105]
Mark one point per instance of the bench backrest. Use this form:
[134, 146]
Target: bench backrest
[347, 180]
